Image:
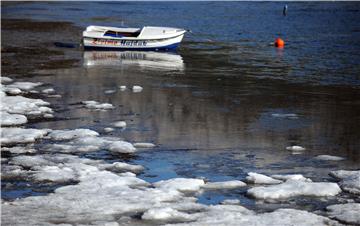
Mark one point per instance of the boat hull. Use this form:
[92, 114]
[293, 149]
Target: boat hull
[131, 44]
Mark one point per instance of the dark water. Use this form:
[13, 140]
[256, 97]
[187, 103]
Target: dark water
[212, 108]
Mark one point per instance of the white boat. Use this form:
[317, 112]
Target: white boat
[146, 38]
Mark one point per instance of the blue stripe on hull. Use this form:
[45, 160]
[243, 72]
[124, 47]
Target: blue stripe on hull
[162, 48]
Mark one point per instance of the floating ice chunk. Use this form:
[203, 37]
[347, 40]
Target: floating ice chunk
[110, 91]
[19, 135]
[348, 213]
[48, 116]
[19, 150]
[349, 180]
[119, 124]
[167, 214]
[24, 106]
[122, 88]
[137, 89]
[12, 90]
[181, 184]
[225, 185]
[96, 105]
[108, 129]
[54, 174]
[5, 80]
[295, 148]
[121, 147]
[121, 166]
[329, 158]
[71, 134]
[257, 178]
[88, 143]
[293, 188]
[230, 202]
[144, 145]
[48, 91]
[290, 115]
[26, 86]
[291, 177]
[30, 161]
[54, 96]
[12, 119]
[234, 215]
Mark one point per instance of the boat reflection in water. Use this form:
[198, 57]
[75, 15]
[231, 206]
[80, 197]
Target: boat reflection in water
[147, 60]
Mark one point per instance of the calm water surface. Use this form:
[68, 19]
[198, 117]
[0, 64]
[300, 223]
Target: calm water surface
[213, 107]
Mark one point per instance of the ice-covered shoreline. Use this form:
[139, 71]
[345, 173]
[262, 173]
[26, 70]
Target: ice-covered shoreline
[95, 192]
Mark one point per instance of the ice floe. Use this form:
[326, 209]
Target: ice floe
[91, 104]
[289, 115]
[224, 185]
[181, 184]
[110, 91]
[122, 88]
[329, 158]
[12, 119]
[292, 188]
[348, 213]
[71, 134]
[167, 214]
[295, 148]
[137, 89]
[230, 202]
[235, 215]
[48, 91]
[291, 177]
[20, 135]
[92, 143]
[108, 129]
[6, 80]
[144, 145]
[119, 124]
[257, 178]
[19, 149]
[12, 91]
[121, 166]
[349, 180]
[24, 106]
[24, 86]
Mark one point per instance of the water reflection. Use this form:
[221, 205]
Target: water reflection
[145, 60]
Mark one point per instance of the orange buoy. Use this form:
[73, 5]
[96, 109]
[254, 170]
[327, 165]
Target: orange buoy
[279, 43]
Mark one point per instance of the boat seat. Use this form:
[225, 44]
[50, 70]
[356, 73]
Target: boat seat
[122, 34]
